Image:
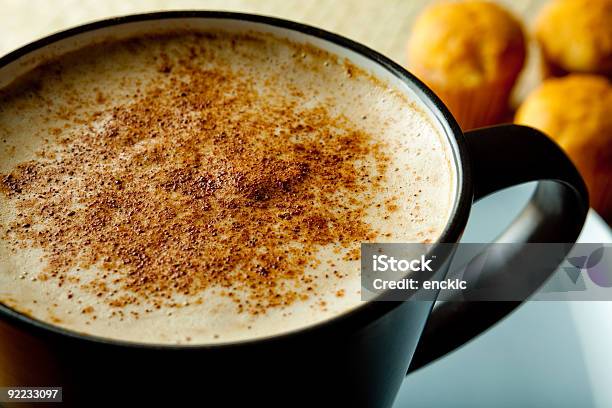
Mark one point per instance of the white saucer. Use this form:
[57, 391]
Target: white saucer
[545, 354]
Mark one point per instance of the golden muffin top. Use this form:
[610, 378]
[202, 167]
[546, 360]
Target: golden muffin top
[577, 35]
[576, 112]
[573, 110]
[466, 43]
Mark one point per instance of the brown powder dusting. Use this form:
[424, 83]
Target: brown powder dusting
[15, 182]
[202, 180]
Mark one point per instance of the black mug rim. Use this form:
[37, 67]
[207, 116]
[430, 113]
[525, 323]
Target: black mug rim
[368, 311]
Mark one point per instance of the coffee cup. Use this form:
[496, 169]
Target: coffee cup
[357, 358]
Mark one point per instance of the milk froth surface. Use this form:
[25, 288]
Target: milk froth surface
[206, 187]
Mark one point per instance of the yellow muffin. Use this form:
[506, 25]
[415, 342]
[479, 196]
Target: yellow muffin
[576, 36]
[470, 53]
[576, 111]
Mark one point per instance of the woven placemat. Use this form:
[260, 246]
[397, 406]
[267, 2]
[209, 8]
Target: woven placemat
[382, 24]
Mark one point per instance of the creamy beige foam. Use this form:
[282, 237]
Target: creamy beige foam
[213, 217]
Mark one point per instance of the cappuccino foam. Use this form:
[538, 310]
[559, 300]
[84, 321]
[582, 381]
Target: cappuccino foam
[206, 187]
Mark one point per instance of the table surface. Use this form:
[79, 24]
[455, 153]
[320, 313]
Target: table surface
[383, 25]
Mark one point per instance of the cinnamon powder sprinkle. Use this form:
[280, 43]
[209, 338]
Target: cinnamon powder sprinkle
[202, 179]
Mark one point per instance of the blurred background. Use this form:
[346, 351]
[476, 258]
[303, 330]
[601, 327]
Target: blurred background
[382, 25]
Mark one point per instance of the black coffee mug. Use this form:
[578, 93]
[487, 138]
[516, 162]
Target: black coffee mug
[358, 358]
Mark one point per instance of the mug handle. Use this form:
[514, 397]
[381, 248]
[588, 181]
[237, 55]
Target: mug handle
[501, 157]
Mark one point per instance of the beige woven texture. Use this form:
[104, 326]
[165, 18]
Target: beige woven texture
[381, 24]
